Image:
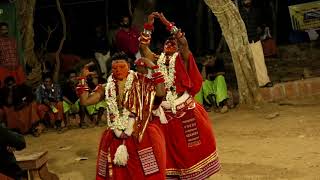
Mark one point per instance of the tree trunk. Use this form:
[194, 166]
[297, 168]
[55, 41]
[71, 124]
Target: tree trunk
[25, 12]
[64, 28]
[198, 28]
[211, 41]
[234, 31]
[274, 10]
[141, 11]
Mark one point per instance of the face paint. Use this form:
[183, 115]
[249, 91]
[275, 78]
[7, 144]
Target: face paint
[120, 69]
[170, 47]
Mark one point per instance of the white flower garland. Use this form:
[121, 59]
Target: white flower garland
[169, 77]
[120, 121]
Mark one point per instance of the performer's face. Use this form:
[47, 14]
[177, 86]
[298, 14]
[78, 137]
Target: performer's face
[170, 47]
[120, 69]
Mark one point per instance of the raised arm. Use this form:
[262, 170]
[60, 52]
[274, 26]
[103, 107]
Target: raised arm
[83, 89]
[145, 38]
[182, 41]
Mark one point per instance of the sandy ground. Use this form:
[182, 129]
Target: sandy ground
[251, 144]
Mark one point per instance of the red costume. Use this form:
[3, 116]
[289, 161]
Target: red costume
[127, 41]
[9, 63]
[147, 159]
[190, 143]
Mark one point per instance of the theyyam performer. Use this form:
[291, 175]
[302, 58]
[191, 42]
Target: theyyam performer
[190, 143]
[133, 146]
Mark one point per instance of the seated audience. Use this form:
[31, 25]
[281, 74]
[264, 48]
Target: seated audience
[214, 89]
[50, 106]
[71, 105]
[20, 111]
[95, 111]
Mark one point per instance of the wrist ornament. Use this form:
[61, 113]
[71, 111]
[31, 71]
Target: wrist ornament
[80, 89]
[148, 28]
[82, 80]
[145, 38]
[172, 28]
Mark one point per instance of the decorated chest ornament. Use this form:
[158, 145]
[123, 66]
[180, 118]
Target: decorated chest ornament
[119, 120]
[169, 77]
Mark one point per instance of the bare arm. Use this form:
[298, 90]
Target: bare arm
[144, 47]
[182, 41]
[183, 47]
[87, 98]
[160, 90]
[92, 98]
[145, 38]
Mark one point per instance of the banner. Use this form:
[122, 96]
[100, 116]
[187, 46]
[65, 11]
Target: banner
[305, 16]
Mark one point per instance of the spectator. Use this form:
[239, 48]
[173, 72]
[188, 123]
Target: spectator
[95, 111]
[127, 38]
[214, 88]
[20, 111]
[252, 19]
[255, 25]
[9, 142]
[9, 61]
[100, 42]
[50, 106]
[71, 105]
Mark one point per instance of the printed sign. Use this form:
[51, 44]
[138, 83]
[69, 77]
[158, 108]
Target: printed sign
[305, 16]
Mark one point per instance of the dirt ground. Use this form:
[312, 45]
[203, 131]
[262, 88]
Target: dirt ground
[267, 142]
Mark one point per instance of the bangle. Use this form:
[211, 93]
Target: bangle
[81, 89]
[148, 26]
[147, 32]
[82, 80]
[170, 26]
[174, 30]
[144, 39]
[145, 42]
[145, 36]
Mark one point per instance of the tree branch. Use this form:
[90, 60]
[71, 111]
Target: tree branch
[63, 21]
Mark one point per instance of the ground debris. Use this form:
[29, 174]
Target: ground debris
[272, 115]
[78, 159]
[65, 148]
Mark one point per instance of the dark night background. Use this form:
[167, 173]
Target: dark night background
[83, 15]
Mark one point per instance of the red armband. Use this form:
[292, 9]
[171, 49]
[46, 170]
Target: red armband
[82, 80]
[80, 89]
[139, 62]
[159, 80]
[156, 75]
[148, 26]
[170, 26]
